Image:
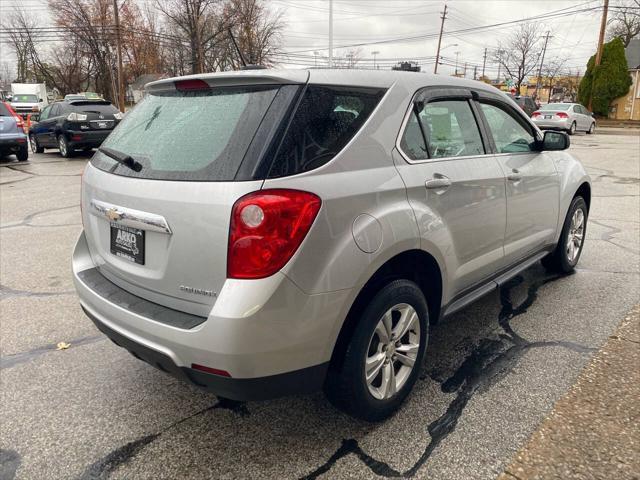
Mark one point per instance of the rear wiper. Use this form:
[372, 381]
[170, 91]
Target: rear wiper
[122, 158]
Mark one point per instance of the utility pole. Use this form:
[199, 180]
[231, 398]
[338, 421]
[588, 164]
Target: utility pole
[500, 52]
[603, 27]
[475, 72]
[484, 61]
[544, 50]
[444, 15]
[464, 75]
[374, 53]
[457, 54]
[116, 17]
[330, 33]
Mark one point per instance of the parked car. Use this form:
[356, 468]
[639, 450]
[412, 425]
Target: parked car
[261, 233]
[13, 140]
[91, 96]
[527, 104]
[73, 125]
[570, 117]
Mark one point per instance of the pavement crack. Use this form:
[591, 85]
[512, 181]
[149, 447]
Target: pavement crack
[9, 361]
[488, 363]
[610, 235]
[6, 292]
[26, 221]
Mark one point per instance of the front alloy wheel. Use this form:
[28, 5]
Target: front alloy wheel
[575, 238]
[392, 352]
[565, 256]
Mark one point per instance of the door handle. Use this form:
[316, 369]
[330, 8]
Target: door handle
[514, 176]
[438, 182]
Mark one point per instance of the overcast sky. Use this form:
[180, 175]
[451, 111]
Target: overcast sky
[574, 35]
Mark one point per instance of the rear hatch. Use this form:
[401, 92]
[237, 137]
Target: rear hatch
[95, 114]
[160, 229]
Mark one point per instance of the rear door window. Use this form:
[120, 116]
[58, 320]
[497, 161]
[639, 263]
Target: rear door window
[326, 120]
[199, 135]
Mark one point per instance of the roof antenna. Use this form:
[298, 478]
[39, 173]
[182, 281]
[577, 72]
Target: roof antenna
[235, 44]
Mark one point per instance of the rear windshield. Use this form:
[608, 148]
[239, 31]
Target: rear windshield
[19, 98]
[325, 121]
[198, 135]
[556, 106]
[4, 111]
[93, 108]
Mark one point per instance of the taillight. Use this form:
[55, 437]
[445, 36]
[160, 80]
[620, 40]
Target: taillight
[562, 115]
[267, 227]
[535, 114]
[191, 84]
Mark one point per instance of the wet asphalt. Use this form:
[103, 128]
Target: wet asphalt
[492, 374]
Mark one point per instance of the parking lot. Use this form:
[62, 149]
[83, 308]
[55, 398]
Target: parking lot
[74, 405]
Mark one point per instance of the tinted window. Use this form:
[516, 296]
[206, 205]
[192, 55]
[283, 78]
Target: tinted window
[451, 129]
[324, 122]
[55, 110]
[93, 108]
[412, 142]
[45, 113]
[509, 135]
[192, 135]
[4, 111]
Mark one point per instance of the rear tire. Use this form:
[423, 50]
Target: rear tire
[565, 257]
[35, 146]
[63, 146]
[23, 154]
[392, 362]
[572, 128]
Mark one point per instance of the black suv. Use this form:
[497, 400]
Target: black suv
[73, 125]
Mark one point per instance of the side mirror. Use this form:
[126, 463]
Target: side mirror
[40, 100]
[555, 141]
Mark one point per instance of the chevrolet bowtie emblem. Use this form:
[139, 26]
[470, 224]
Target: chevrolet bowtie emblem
[113, 215]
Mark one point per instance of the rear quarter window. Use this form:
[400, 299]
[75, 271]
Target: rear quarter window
[326, 119]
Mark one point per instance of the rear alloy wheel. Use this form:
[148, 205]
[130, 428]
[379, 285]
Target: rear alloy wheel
[63, 146]
[35, 147]
[23, 154]
[569, 248]
[592, 129]
[572, 128]
[384, 356]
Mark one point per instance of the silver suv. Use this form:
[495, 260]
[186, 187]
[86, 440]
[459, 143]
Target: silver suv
[263, 233]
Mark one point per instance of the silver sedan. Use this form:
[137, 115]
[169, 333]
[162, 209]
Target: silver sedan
[570, 117]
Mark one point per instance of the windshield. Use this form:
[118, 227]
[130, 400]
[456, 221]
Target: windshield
[189, 135]
[556, 106]
[20, 98]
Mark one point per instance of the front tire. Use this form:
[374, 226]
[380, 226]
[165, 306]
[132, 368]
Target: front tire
[63, 146]
[572, 128]
[384, 355]
[592, 129]
[565, 256]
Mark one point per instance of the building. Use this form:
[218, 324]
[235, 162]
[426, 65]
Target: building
[628, 107]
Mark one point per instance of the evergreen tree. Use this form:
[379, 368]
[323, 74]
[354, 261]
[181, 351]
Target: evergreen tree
[608, 81]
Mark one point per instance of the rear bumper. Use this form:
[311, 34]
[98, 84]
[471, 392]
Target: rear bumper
[552, 124]
[13, 143]
[272, 338]
[87, 138]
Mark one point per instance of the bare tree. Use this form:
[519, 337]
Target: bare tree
[20, 27]
[625, 21]
[520, 53]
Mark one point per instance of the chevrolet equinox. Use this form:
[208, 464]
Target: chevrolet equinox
[263, 233]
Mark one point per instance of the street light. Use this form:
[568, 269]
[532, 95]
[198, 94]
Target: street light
[374, 53]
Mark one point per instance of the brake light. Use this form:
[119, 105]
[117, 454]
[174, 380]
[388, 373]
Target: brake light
[562, 115]
[193, 84]
[267, 227]
[535, 114]
[19, 120]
